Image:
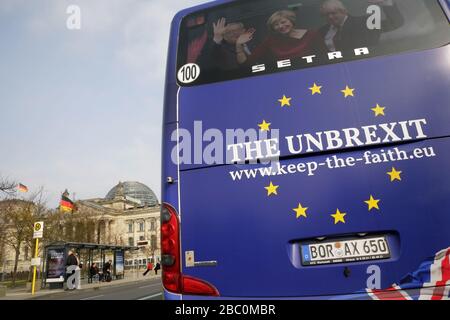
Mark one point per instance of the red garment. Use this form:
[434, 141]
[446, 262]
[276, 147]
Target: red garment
[277, 47]
[149, 266]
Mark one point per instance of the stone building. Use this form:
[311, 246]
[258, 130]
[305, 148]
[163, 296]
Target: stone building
[128, 215]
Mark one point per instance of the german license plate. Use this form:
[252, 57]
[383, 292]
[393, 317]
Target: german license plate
[345, 251]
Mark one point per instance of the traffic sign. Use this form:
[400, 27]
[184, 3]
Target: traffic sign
[38, 230]
[35, 262]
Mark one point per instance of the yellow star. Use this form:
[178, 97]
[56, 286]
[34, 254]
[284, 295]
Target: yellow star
[264, 126]
[271, 189]
[379, 111]
[372, 203]
[285, 101]
[315, 89]
[395, 175]
[339, 217]
[348, 92]
[301, 212]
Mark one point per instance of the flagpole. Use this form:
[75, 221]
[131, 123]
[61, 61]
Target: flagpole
[59, 206]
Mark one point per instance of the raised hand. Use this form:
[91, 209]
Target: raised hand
[245, 37]
[219, 29]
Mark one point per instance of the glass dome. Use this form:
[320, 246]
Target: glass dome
[134, 190]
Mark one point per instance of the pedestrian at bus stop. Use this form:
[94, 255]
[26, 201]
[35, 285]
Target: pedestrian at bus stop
[157, 267]
[107, 271]
[149, 268]
[94, 272]
[73, 260]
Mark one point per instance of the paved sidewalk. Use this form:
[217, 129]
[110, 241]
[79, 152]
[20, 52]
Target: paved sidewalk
[131, 276]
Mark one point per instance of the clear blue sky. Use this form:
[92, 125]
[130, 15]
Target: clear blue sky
[82, 109]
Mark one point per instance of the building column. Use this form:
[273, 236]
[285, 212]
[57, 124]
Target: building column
[112, 234]
[146, 226]
[106, 232]
[97, 232]
[134, 232]
[103, 232]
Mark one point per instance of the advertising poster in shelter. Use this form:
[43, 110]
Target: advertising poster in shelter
[119, 262]
[55, 265]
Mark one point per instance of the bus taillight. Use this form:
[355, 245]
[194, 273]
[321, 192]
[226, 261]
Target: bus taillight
[170, 249]
[172, 278]
[196, 286]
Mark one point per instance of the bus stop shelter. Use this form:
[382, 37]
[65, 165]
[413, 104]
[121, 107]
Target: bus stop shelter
[55, 256]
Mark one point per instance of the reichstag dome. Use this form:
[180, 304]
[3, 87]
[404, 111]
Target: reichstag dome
[135, 190]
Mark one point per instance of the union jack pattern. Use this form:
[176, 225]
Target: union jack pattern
[431, 281]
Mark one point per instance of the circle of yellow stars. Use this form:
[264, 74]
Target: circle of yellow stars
[317, 89]
[338, 217]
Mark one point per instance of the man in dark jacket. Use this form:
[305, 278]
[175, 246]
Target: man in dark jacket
[72, 260]
[107, 271]
[93, 272]
[344, 32]
[157, 267]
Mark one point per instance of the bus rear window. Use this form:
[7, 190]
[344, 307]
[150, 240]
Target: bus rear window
[251, 38]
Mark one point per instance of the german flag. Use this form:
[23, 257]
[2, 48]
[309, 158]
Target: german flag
[22, 188]
[66, 205]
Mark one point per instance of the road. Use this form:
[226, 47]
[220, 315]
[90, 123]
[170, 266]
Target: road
[142, 290]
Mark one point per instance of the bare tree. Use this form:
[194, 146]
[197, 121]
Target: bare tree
[3, 227]
[19, 230]
[151, 247]
[7, 187]
[17, 218]
[80, 225]
[54, 226]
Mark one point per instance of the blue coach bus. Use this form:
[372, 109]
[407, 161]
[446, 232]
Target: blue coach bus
[306, 151]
